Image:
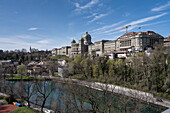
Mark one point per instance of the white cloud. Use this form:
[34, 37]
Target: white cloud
[92, 15]
[162, 7]
[107, 27]
[43, 41]
[77, 5]
[126, 14]
[88, 5]
[146, 19]
[16, 42]
[33, 28]
[134, 24]
[97, 17]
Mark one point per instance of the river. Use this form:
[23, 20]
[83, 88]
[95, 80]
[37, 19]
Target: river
[73, 98]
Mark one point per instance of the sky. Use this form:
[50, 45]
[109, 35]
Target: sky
[48, 24]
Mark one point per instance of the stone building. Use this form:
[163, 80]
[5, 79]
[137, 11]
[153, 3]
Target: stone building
[82, 46]
[138, 41]
[132, 41]
[167, 42]
[97, 47]
[110, 46]
[54, 51]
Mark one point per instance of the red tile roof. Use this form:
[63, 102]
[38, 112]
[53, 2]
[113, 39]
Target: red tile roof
[7, 108]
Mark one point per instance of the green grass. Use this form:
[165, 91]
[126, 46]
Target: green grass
[59, 57]
[24, 110]
[57, 75]
[19, 77]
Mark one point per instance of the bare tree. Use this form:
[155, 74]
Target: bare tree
[44, 89]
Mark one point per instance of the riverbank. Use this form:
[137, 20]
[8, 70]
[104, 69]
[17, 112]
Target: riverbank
[33, 108]
[147, 97]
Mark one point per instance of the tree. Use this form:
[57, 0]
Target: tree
[21, 70]
[44, 89]
[52, 66]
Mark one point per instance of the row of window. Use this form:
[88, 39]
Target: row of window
[125, 43]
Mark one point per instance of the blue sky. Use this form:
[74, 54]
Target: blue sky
[46, 24]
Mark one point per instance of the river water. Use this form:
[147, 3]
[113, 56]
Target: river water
[74, 98]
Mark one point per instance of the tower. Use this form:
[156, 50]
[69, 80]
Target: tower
[30, 49]
[87, 38]
[81, 46]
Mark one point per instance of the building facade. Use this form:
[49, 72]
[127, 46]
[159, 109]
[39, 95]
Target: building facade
[132, 41]
[139, 41]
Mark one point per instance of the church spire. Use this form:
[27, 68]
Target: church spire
[30, 49]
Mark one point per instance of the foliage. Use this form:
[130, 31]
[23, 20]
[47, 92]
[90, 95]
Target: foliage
[141, 72]
[57, 75]
[18, 77]
[21, 70]
[58, 57]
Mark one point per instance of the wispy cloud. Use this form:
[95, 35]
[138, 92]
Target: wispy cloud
[126, 14]
[16, 42]
[92, 15]
[33, 28]
[134, 24]
[155, 23]
[97, 17]
[107, 27]
[43, 41]
[162, 7]
[146, 19]
[88, 5]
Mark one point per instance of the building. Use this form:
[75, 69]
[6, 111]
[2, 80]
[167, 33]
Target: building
[1, 51]
[110, 46]
[132, 42]
[167, 41]
[138, 41]
[97, 47]
[82, 46]
[54, 51]
[117, 54]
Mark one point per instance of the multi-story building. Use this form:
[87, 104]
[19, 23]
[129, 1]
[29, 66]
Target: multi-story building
[54, 51]
[99, 47]
[167, 42]
[82, 46]
[139, 41]
[110, 46]
[132, 41]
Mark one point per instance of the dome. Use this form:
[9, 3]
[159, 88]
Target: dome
[86, 35]
[73, 41]
[81, 39]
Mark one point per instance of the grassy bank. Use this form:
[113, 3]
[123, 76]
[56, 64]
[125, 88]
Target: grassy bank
[19, 77]
[24, 110]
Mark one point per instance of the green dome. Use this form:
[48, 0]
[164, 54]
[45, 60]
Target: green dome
[86, 35]
[81, 39]
[73, 41]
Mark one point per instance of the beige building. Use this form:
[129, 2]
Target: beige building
[132, 41]
[167, 42]
[82, 46]
[138, 41]
[54, 51]
[110, 46]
